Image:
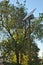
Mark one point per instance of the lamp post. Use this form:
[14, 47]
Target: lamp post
[28, 18]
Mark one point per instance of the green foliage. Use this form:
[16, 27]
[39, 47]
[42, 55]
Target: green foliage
[18, 44]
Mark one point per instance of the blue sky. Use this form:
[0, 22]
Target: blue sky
[31, 4]
[38, 4]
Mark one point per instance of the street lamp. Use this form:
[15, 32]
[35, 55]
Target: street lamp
[28, 18]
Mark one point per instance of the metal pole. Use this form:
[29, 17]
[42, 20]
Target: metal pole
[29, 16]
[29, 46]
[25, 30]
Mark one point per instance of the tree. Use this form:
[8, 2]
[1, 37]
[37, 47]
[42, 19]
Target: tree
[12, 20]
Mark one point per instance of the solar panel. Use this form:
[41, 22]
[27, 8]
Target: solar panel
[31, 13]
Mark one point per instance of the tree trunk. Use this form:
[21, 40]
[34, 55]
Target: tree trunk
[17, 56]
[21, 58]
